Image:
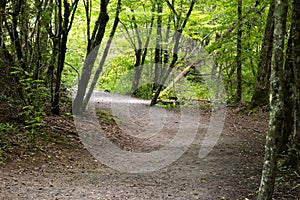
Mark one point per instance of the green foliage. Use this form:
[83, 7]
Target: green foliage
[5, 128]
[77, 43]
[106, 117]
[5, 145]
[74, 56]
[35, 96]
[168, 105]
[221, 25]
[144, 91]
[10, 99]
[288, 174]
[209, 21]
[111, 74]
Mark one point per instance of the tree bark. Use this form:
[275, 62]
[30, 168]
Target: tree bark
[138, 54]
[99, 29]
[158, 47]
[65, 24]
[92, 52]
[296, 59]
[274, 134]
[104, 56]
[260, 96]
[288, 101]
[239, 54]
[62, 46]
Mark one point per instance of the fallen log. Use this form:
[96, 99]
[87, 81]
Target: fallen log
[180, 76]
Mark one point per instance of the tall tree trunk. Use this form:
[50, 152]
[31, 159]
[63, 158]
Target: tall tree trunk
[91, 55]
[4, 53]
[261, 89]
[63, 38]
[141, 53]
[239, 53]
[274, 134]
[175, 50]
[288, 90]
[104, 56]
[100, 26]
[64, 26]
[138, 70]
[138, 55]
[158, 47]
[296, 59]
[140, 61]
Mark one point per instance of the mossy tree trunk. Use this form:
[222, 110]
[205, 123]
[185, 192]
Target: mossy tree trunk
[274, 134]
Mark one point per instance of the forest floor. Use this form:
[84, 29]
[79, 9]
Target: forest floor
[62, 168]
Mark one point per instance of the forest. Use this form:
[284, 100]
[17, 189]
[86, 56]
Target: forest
[218, 80]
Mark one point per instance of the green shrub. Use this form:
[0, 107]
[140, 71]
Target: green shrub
[35, 96]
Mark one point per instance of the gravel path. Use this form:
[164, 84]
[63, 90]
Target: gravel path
[230, 171]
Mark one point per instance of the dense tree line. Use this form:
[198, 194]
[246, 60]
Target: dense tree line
[256, 46]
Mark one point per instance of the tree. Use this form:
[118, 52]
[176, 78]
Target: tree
[180, 24]
[223, 40]
[288, 90]
[63, 23]
[81, 101]
[141, 49]
[158, 48]
[25, 54]
[32, 54]
[294, 139]
[274, 135]
[260, 95]
[93, 46]
[239, 53]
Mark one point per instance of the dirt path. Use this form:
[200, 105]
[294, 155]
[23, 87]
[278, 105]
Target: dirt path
[65, 170]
